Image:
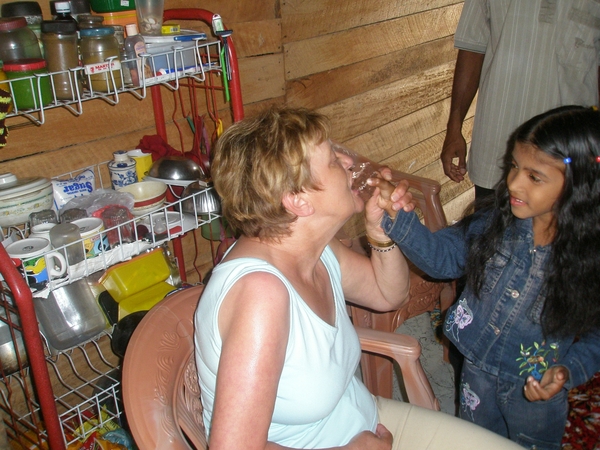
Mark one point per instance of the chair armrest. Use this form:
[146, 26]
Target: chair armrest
[405, 350]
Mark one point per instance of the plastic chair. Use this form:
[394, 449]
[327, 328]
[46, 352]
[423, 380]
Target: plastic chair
[425, 292]
[160, 385]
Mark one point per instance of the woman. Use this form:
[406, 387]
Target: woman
[275, 350]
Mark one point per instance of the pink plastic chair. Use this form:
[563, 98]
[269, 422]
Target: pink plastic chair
[160, 385]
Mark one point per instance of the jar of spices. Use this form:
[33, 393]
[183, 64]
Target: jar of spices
[17, 41]
[27, 92]
[96, 46]
[61, 54]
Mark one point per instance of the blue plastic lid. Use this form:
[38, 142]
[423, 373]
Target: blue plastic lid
[100, 31]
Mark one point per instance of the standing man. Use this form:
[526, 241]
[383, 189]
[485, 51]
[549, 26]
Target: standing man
[524, 57]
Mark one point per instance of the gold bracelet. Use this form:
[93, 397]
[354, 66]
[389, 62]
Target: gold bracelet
[373, 243]
[382, 250]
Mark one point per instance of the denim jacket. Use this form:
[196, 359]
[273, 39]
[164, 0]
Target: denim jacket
[500, 332]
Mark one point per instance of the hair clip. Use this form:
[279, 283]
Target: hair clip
[598, 159]
[567, 160]
[594, 108]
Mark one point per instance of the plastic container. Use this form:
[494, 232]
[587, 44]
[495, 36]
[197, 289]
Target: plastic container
[128, 278]
[17, 41]
[159, 45]
[122, 18]
[96, 46]
[27, 91]
[134, 47]
[103, 6]
[61, 54]
[30, 10]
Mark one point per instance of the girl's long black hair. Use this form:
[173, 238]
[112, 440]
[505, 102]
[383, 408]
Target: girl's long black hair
[572, 285]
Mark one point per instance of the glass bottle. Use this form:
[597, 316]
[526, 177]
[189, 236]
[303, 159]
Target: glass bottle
[61, 54]
[26, 93]
[120, 35]
[134, 47]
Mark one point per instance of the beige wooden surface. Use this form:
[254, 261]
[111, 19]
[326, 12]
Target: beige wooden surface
[380, 69]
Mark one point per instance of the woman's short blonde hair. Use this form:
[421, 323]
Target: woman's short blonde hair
[258, 160]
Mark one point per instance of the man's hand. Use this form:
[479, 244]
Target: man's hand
[454, 146]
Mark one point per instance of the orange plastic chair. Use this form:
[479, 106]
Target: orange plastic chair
[161, 394]
[425, 293]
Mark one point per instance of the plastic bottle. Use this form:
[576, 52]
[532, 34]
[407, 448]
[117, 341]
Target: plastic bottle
[61, 54]
[134, 46]
[63, 12]
[120, 35]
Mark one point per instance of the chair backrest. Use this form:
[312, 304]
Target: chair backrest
[160, 383]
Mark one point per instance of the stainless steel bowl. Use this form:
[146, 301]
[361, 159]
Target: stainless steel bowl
[203, 203]
[176, 168]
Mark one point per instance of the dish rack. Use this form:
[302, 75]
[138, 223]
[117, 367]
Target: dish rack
[54, 400]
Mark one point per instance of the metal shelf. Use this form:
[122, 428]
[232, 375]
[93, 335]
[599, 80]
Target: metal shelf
[167, 68]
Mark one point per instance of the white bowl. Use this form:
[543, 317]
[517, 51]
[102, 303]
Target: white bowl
[148, 196]
[19, 198]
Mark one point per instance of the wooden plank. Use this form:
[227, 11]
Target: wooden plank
[257, 38]
[303, 19]
[347, 47]
[357, 115]
[343, 82]
[455, 208]
[261, 77]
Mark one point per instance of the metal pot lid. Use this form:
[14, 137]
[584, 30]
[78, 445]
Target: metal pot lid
[11, 187]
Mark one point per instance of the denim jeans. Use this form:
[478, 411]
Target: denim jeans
[500, 406]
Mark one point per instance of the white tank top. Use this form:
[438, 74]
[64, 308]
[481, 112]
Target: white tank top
[320, 403]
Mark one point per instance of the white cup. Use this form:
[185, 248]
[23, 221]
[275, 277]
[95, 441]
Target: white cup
[38, 263]
[91, 232]
[42, 230]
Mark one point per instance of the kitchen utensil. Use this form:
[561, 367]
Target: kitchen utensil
[70, 315]
[42, 230]
[176, 168]
[36, 259]
[150, 16]
[43, 216]
[197, 199]
[94, 241]
[118, 223]
[148, 196]
[143, 162]
[67, 235]
[20, 197]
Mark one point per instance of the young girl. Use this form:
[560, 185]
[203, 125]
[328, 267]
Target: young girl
[528, 321]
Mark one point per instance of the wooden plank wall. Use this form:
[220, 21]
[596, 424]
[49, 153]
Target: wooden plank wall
[381, 70]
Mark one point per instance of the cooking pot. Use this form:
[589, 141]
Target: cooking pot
[197, 199]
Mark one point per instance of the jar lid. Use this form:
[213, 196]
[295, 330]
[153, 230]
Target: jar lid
[100, 31]
[22, 65]
[21, 9]
[131, 29]
[59, 27]
[12, 23]
[121, 155]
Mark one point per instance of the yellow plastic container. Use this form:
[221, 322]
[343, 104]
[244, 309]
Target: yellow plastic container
[144, 300]
[128, 278]
[119, 18]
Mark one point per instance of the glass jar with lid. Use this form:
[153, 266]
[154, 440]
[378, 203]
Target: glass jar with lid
[96, 46]
[28, 91]
[17, 41]
[61, 54]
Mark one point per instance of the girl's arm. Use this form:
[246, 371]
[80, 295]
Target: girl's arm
[254, 327]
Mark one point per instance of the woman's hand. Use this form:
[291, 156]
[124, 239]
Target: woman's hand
[380, 440]
[551, 384]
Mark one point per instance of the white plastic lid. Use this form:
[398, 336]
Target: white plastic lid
[131, 29]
